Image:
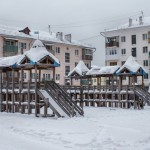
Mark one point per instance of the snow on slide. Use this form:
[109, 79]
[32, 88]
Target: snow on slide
[53, 103]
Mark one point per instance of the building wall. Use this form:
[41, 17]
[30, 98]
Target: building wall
[64, 48]
[140, 43]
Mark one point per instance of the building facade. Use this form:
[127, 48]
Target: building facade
[14, 41]
[133, 39]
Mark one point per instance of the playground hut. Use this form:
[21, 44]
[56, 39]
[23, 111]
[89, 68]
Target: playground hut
[33, 96]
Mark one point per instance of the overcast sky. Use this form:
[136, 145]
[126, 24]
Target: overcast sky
[82, 18]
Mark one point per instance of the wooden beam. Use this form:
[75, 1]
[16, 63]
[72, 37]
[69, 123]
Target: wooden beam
[12, 91]
[1, 102]
[36, 90]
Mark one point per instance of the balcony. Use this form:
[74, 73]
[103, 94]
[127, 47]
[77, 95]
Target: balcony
[87, 54]
[112, 44]
[10, 48]
[87, 57]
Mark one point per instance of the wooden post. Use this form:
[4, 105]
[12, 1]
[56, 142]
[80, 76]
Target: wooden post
[81, 92]
[29, 108]
[36, 90]
[6, 94]
[20, 90]
[39, 76]
[119, 90]
[12, 90]
[1, 102]
[134, 91]
[54, 74]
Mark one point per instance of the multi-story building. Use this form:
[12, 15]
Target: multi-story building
[132, 38]
[14, 41]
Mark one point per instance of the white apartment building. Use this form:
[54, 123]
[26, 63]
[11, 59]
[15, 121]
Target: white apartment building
[14, 41]
[132, 38]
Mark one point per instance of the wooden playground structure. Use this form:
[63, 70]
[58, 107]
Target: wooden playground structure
[36, 97]
[113, 93]
[33, 96]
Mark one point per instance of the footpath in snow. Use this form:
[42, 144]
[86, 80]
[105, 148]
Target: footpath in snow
[99, 129]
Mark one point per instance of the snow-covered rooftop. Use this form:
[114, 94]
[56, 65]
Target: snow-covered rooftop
[131, 65]
[80, 69]
[43, 35]
[135, 23]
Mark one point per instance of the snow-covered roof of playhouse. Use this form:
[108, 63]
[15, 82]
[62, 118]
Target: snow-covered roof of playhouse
[93, 71]
[35, 54]
[103, 70]
[9, 61]
[80, 69]
[132, 66]
[135, 24]
[10, 31]
[108, 69]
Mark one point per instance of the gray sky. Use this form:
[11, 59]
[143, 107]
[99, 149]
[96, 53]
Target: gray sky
[82, 18]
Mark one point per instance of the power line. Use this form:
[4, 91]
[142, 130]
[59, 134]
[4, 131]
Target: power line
[85, 23]
[89, 38]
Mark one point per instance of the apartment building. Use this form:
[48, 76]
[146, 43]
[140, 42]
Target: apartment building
[132, 38]
[14, 41]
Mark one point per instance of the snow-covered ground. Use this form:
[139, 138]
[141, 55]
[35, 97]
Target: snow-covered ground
[99, 129]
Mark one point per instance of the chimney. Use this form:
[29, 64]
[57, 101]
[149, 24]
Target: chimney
[68, 37]
[140, 20]
[130, 22]
[59, 35]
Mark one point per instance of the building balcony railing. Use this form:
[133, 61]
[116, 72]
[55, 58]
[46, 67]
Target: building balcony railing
[87, 57]
[10, 48]
[112, 44]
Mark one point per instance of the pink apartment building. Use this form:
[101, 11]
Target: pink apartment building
[14, 41]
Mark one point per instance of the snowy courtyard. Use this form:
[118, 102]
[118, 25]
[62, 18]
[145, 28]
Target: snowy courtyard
[99, 129]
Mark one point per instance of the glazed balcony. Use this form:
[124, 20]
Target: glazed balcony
[10, 48]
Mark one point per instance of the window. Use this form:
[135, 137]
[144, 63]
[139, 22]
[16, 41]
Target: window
[76, 52]
[94, 80]
[67, 70]
[22, 45]
[57, 76]
[111, 52]
[76, 64]
[49, 47]
[33, 75]
[122, 63]
[113, 63]
[134, 52]
[67, 48]
[58, 50]
[67, 57]
[145, 36]
[145, 49]
[123, 51]
[133, 39]
[145, 62]
[123, 39]
[146, 76]
[44, 76]
[24, 75]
